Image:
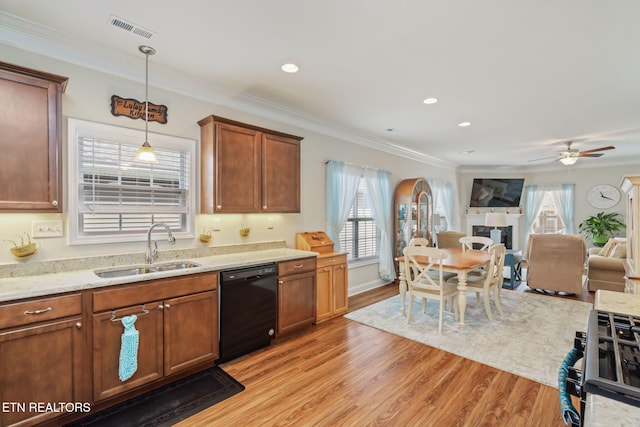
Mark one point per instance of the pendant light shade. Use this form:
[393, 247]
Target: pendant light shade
[145, 152]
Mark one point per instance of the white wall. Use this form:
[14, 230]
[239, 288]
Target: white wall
[88, 97]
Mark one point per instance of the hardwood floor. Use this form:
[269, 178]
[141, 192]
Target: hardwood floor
[343, 373]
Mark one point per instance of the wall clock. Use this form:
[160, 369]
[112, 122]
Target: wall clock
[603, 196]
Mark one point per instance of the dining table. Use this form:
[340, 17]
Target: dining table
[459, 261]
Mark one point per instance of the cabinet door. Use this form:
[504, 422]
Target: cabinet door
[324, 298]
[237, 169]
[106, 349]
[280, 174]
[296, 301]
[190, 331]
[340, 291]
[30, 140]
[40, 364]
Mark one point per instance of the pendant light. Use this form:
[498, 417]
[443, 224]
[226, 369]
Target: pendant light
[145, 152]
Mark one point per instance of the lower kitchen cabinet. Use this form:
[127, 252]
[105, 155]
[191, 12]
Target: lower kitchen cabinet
[177, 326]
[40, 357]
[296, 294]
[332, 287]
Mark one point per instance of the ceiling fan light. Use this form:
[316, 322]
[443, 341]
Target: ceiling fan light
[568, 161]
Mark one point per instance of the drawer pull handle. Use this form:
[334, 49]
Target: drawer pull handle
[114, 318]
[326, 269]
[44, 310]
[298, 266]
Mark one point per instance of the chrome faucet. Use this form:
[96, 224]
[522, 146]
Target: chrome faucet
[152, 253]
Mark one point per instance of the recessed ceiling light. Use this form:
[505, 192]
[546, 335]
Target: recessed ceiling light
[430, 100]
[464, 124]
[389, 129]
[290, 68]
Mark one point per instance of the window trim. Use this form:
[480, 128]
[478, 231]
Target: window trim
[132, 136]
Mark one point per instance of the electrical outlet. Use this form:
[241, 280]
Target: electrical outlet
[46, 228]
[270, 223]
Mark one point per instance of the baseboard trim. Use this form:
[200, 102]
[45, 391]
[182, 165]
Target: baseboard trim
[367, 286]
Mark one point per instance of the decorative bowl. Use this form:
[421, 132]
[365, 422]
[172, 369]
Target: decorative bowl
[244, 231]
[24, 250]
[206, 238]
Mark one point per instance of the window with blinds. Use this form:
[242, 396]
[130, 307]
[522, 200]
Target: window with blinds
[360, 236]
[118, 196]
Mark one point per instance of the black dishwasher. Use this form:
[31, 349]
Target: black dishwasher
[248, 303]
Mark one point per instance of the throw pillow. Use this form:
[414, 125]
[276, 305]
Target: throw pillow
[608, 248]
[619, 251]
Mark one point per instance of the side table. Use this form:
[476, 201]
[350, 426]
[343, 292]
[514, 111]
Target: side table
[513, 260]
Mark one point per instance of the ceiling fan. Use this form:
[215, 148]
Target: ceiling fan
[571, 155]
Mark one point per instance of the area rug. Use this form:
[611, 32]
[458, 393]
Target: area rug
[530, 339]
[169, 404]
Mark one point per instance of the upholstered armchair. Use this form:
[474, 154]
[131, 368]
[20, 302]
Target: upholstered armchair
[555, 262]
[604, 266]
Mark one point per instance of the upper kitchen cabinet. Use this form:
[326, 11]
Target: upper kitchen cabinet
[246, 168]
[30, 140]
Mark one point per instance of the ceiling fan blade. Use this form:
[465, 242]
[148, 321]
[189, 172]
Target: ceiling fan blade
[544, 158]
[591, 155]
[611, 147]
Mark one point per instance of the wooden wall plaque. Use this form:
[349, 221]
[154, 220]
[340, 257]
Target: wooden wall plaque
[134, 109]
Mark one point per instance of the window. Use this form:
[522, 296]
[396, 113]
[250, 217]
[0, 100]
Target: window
[360, 235]
[113, 198]
[548, 221]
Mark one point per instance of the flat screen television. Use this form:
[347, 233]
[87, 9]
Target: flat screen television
[496, 192]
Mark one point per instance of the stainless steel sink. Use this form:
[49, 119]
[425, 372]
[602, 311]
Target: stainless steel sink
[134, 270]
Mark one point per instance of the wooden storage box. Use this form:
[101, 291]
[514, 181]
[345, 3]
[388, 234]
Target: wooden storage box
[315, 241]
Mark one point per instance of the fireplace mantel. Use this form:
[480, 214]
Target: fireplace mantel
[512, 219]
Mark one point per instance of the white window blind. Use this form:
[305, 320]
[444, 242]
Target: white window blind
[360, 235]
[116, 195]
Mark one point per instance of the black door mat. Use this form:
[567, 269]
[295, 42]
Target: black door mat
[169, 404]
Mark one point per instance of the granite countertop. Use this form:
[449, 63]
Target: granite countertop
[601, 411]
[27, 286]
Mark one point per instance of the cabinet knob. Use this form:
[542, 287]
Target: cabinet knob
[167, 306]
[161, 307]
[78, 325]
[54, 203]
[326, 269]
[264, 207]
[280, 282]
[218, 206]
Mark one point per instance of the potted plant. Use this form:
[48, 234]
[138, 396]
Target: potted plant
[601, 227]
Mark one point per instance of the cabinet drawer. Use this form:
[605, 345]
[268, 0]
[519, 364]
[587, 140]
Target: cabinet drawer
[296, 266]
[332, 260]
[33, 311]
[160, 289]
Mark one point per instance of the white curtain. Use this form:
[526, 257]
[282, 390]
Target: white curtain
[342, 186]
[379, 193]
[443, 197]
[563, 198]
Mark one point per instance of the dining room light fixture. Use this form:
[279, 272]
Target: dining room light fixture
[145, 152]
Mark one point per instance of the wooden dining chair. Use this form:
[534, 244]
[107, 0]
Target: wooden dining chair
[421, 283]
[421, 241]
[491, 284]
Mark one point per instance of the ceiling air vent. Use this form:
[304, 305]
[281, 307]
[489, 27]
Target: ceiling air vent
[130, 27]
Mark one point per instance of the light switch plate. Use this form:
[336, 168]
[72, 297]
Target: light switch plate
[51, 228]
[216, 224]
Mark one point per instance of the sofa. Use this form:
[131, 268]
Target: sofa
[604, 266]
[555, 262]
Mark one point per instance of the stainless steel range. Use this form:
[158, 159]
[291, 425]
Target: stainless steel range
[611, 360]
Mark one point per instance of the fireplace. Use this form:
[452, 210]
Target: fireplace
[513, 222]
[506, 237]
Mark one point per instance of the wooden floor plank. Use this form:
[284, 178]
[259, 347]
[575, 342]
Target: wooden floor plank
[343, 373]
